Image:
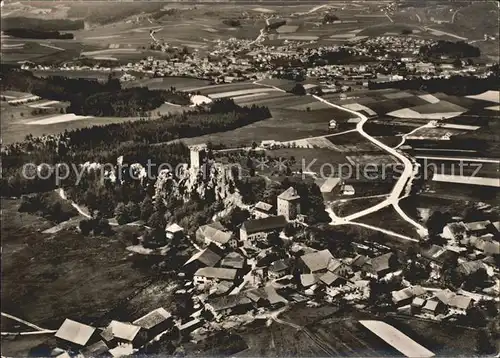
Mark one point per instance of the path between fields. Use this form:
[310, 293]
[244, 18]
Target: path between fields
[29, 324]
[406, 176]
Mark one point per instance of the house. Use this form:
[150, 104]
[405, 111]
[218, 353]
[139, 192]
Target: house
[289, 204]
[330, 187]
[269, 143]
[174, 234]
[469, 267]
[332, 280]
[155, 322]
[485, 244]
[266, 297]
[406, 295]
[381, 265]
[189, 326]
[260, 228]
[339, 268]
[454, 231]
[359, 262]
[307, 280]
[459, 303]
[120, 332]
[278, 269]
[215, 233]
[418, 303]
[316, 262]
[348, 190]
[229, 305]
[434, 307]
[98, 349]
[74, 334]
[206, 275]
[438, 254]
[262, 210]
[203, 258]
[233, 260]
[478, 228]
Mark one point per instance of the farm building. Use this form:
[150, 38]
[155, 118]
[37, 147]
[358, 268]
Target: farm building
[215, 233]
[174, 233]
[97, 349]
[204, 258]
[289, 204]
[381, 265]
[229, 305]
[74, 334]
[331, 279]
[316, 262]
[459, 303]
[233, 260]
[434, 307]
[260, 228]
[122, 333]
[406, 295]
[262, 210]
[278, 269]
[214, 274]
[266, 297]
[155, 322]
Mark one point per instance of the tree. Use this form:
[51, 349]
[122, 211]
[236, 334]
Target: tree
[146, 208]
[85, 227]
[121, 214]
[157, 221]
[133, 211]
[484, 342]
[298, 89]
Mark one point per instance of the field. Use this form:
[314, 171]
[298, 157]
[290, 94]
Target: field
[180, 83]
[347, 207]
[389, 219]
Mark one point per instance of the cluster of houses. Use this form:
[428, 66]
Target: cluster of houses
[115, 339]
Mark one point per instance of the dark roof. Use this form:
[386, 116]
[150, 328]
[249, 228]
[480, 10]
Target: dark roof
[75, 332]
[206, 256]
[95, 349]
[214, 232]
[382, 262]
[153, 318]
[278, 266]
[317, 261]
[266, 224]
[360, 261]
[217, 272]
[229, 301]
[264, 207]
[289, 195]
[234, 260]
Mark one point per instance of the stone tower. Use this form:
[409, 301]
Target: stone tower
[197, 156]
[289, 204]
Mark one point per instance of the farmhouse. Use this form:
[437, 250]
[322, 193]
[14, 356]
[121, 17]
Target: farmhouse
[266, 297]
[203, 258]
[262, 210]
[434, 307]
[229, 305]
[478, 227]
[289, 204]
[233, 260]
[381, 265]
[217, 234]
[331, 279]
[98, 349]
[459, 303]
[329, 185]
[155, 322]
[406, 295]
[74, 334]
[174, 233]
[485, 244]
[214, 274]
[260, 228]
[316, 262]
[119, 332]
[278, 269]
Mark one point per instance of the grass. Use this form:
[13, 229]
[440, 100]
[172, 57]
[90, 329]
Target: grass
[387, 218]
[346, 208]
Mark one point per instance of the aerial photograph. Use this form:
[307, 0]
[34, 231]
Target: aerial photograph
[250, 178]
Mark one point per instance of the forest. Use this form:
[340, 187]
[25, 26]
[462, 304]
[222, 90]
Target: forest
[90, 97]
[450, 49]
[41, 24]
[37, 34]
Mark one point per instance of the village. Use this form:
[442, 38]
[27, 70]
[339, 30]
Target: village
[261, 269]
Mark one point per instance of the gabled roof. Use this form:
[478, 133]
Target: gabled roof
[120, 330]
[477, 225]
[278, 266]
[234, 260]
[329, 278]
[174, 228]
[406, 293]
[469, 267]
[215, 232]
[317, 261]
[308, 279]
[264, 207]
[453, 300]
[95, 349]
[206, 257]
[418, 301]
[289, 194]
[75, 332]
[153, 318]
[267, 224]
[431, 305]
[217, 272]
[267, 293]
[327, 185]
[359, 261]
[229, 301]
[382, 262]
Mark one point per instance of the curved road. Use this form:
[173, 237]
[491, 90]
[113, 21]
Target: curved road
[405, 178]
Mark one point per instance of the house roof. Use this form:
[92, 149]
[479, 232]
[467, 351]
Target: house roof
[456, 228]
[266, 224]
[418, 301]
[451, 299]
[477, 225]
[485, 244]
[267, 293]
[174, 228]
[317, 261]
[329, 278]
[206, 257]
[382, 262]
[264, 207]
[229, 301]
[407, 292]
[469, 267]
[360, 261]
[153, 318]
[189, 324]
[278, 266]
[215, 232]
[289, 194]
[217, 272]
[327, 185]
[234, 260]
[120, 330]
[75, 332]
[431, 305]
[308, 279]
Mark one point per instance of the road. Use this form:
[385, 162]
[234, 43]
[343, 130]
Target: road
[405, 178]
[29, 324]
[461, 159]
[403, 138]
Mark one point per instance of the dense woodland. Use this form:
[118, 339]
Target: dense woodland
[37, 34]
[41, 24]
[90, 97]
[450, 49]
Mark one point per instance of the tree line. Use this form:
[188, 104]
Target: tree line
[37, 34]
